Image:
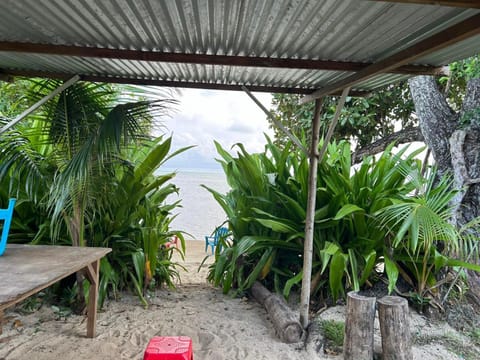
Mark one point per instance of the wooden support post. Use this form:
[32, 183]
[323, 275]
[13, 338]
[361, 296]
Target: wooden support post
[394, 328]
[275, 121]
[310, 217]
[42, 101]
[359, 327]
[92, 272]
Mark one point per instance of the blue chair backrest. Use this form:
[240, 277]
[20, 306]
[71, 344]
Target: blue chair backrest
[6, 215]
[220, 233]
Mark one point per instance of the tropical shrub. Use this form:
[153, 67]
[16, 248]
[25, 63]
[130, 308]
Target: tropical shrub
[266, 214]
[135, 223]
[421, 240]
[383, 211]
[83, 174]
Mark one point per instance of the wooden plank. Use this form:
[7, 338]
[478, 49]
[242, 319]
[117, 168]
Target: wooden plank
[472, 4]
[168, 83]
[204, 59]
[449, 36]
[27, 269]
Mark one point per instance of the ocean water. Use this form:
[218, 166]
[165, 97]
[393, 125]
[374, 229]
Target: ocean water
[200, 214]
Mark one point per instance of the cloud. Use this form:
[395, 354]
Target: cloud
[228, 117]
[241, 127]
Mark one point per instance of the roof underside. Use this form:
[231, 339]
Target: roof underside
[271, 45]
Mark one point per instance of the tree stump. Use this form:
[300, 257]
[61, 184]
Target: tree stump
[394, 327]
[359, 326]
[284, 321]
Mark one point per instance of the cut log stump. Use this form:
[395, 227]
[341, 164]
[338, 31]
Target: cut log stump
[393, 314]
[285, 322]
[359, 326]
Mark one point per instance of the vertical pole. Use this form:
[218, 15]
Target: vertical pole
[315, 157]
[308, 244]
[334, 122]
[92, 272]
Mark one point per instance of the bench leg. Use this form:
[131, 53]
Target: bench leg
[92, 272]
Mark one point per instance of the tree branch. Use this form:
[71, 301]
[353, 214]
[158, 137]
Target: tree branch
[401, 137]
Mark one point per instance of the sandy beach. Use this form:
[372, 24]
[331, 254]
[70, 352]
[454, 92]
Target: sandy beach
[221, 327]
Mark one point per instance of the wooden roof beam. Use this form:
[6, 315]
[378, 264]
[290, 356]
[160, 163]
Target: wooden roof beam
[204, 59]
[472, 4]
[456, 33]
[166, 83]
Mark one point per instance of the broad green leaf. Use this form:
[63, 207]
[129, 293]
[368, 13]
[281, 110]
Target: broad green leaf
[347, 210]
[254, 274]
[276, 225]
[291, 282]
[337, 269]
[369, 265]
[354, 267]
[392, 273]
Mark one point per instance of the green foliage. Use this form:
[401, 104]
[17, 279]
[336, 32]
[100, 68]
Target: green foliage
[333, 331]
[417, 227]
[266, 215]
[363, 119]
[83, 170]
[135, 223]
[365, 216]
[460, 73]
[13, 98]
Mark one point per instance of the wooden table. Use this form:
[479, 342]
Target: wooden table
[27, 269]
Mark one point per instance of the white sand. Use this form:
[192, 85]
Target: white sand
[220, 327]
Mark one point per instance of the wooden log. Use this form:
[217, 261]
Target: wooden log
[393, 314]
[284, 321]
[359, 327]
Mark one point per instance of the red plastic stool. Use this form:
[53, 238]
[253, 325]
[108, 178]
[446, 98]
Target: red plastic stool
[169, 348]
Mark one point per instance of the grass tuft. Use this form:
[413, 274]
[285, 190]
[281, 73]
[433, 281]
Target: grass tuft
[333, 331]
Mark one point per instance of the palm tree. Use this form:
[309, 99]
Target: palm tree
[71, 146]
[423, 240]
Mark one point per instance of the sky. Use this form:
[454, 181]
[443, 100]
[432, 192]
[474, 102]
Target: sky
[228, 117]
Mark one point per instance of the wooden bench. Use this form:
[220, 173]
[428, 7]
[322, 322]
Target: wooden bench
[27, 269]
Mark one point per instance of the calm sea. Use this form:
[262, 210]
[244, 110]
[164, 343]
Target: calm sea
[200, 214]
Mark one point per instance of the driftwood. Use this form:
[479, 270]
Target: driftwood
[394, 328]
[358, 341]
[285, 322]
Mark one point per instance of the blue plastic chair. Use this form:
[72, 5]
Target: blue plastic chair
[6, 215]
[220, 233]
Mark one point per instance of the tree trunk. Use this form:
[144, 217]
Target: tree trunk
[394, 328]
[359, 327]
[454, 139]
[284, 320]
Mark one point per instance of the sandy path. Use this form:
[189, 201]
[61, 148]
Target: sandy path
[221, 327]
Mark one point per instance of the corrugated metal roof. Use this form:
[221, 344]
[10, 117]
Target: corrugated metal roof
[336, 30]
